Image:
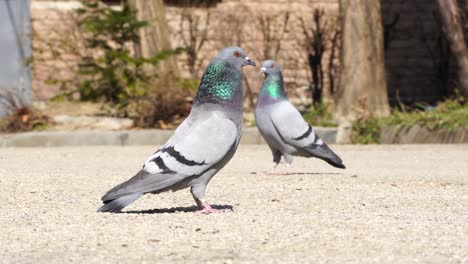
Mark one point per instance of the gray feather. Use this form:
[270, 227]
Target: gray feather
[118, 204]
[201, 145]
[143, 182]
[325, 153]
[202, 141]
[283, 127]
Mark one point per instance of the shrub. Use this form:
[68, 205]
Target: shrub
[321, 114]
[366, 131]
[112, 73]
[448, 115]
[20, 117]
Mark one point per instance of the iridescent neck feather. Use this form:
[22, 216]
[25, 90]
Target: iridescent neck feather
[273, 87]
[221, 83]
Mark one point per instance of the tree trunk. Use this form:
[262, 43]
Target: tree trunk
[453, 29]
[362, 86]
[155, 37]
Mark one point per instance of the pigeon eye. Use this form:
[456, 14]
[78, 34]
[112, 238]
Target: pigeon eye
[237, 53]
[272, 66]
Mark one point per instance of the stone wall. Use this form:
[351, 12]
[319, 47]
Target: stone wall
[55, 42]
[265, 29]
[415, 60]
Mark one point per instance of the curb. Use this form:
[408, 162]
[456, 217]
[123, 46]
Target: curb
[123, 138]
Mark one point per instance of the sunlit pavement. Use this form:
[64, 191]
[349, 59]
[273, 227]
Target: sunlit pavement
[398, 203]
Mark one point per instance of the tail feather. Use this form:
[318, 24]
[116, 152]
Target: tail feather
[325, 153]
[334, 163]
[118, 204]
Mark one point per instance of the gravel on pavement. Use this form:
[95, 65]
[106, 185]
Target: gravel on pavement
[393, 204]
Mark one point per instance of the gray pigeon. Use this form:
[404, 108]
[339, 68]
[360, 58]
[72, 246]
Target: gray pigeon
[283, 127]
[201, 145]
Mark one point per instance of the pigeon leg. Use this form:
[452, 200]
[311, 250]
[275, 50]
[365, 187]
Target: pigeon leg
[198, 193]
[276, 160]
[269, 172]
[281, 171]
[277, 171]
[207, 209]
[275, 165]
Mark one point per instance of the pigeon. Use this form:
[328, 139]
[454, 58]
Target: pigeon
[282, 126]
[202, 144]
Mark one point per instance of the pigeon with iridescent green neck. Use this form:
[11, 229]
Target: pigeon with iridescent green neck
[282, 126]
[201, 145]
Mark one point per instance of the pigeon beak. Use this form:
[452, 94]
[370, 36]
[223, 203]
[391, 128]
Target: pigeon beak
[248, 61]
[262, 70]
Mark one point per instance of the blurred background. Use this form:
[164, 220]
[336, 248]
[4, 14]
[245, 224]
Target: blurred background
[360, 65]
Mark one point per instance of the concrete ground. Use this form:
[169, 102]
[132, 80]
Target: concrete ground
[394, 204]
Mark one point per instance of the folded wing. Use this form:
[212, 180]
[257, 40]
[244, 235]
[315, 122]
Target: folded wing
[199, 142]
[296, 132]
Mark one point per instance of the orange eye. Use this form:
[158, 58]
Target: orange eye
[272, 66]
[237, 53]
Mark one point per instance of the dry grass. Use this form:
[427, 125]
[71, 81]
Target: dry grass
[20, 117]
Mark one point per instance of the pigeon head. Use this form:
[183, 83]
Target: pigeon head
[222, 79]
[236, 56]
[273, 84]
[270, 67]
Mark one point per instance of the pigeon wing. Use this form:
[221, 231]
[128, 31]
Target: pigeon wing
[199, 143]
[291, 127]
[296, 132]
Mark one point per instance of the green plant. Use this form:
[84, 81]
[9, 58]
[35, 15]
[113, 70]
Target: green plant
[188, 84]
[111, 73]
[321, 114]
[448, 115]
[366, 131]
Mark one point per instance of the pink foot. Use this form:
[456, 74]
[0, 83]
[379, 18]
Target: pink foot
[275, 171]
[207, 209]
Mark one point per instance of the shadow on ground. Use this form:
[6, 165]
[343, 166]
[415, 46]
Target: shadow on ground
[295, 173]
[188, 209]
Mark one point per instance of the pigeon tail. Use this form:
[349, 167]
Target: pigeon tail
[325, 153]
[118, 204]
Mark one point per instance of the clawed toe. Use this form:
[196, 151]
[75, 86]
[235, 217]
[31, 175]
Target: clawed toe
[207, 209]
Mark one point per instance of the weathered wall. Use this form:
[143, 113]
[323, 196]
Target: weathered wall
[230, 23]
[265, 29]
[55, 41]
[415, 59]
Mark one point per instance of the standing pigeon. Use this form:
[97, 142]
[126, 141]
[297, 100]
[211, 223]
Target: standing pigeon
[283, 127]
[201, 145]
